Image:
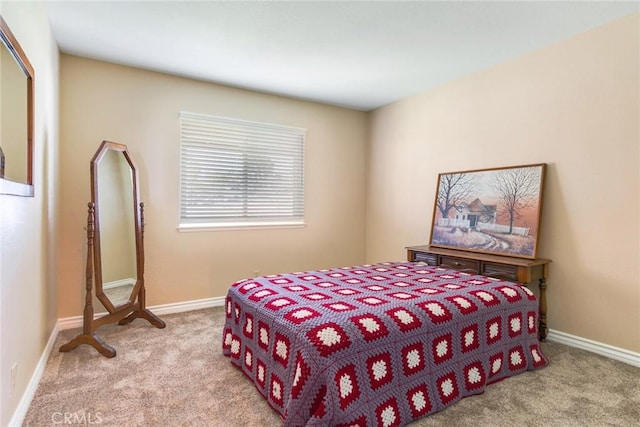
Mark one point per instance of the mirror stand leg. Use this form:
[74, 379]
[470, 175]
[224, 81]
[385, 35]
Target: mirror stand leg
[90, 339]
[152, 318]
[144, 314]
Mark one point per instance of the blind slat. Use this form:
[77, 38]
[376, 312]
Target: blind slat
[233, 170]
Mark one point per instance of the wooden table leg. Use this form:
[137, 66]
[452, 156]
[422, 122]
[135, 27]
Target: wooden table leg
[542, 324]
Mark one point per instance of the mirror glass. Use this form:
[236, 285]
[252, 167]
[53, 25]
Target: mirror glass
[16, 123]
[116, 216]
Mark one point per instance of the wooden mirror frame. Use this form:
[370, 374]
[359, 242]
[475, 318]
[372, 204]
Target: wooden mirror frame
[135, 306]
[7, 186]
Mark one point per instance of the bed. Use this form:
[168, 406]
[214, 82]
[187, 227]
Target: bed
[379, 344]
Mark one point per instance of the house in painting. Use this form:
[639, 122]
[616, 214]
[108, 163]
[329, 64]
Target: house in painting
[476, 212]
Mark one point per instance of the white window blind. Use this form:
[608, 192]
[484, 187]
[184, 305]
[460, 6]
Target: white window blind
[235, 172]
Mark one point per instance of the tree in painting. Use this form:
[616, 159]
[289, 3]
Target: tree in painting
[454, 189]
[517, 189]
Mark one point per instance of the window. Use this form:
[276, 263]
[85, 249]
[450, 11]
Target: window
[239, 173]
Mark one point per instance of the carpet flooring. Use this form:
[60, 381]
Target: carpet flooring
[178, 377]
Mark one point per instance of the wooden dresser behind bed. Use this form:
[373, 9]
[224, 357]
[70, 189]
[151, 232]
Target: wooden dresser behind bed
[520, 270]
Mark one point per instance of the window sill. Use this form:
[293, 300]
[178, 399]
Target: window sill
[232, 226]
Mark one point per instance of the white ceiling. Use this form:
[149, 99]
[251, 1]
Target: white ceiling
[357, 54]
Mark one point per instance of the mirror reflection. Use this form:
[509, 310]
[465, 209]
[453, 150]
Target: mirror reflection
[13, 118]
[16, 116]
[116, 210]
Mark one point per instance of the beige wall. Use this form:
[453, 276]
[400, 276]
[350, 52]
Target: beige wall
[573, 105]
[28, 230]
[140, 108]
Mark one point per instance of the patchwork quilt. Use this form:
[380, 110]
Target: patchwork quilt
[377, 345]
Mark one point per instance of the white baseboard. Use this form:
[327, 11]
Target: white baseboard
[117, 283]
[76, 321]
[27, 396]
[617, 353]
[178, 307]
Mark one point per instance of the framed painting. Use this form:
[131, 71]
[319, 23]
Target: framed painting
[495, 211]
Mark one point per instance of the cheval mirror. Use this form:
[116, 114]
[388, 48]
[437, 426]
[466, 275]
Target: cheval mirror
[115, 250]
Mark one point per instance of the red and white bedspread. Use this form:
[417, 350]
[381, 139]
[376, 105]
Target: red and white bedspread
[378, 344]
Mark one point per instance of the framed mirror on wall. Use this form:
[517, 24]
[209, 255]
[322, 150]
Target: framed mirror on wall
[16, 117]
[115, 247]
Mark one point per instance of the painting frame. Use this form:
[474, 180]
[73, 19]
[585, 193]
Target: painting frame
[494, 211]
